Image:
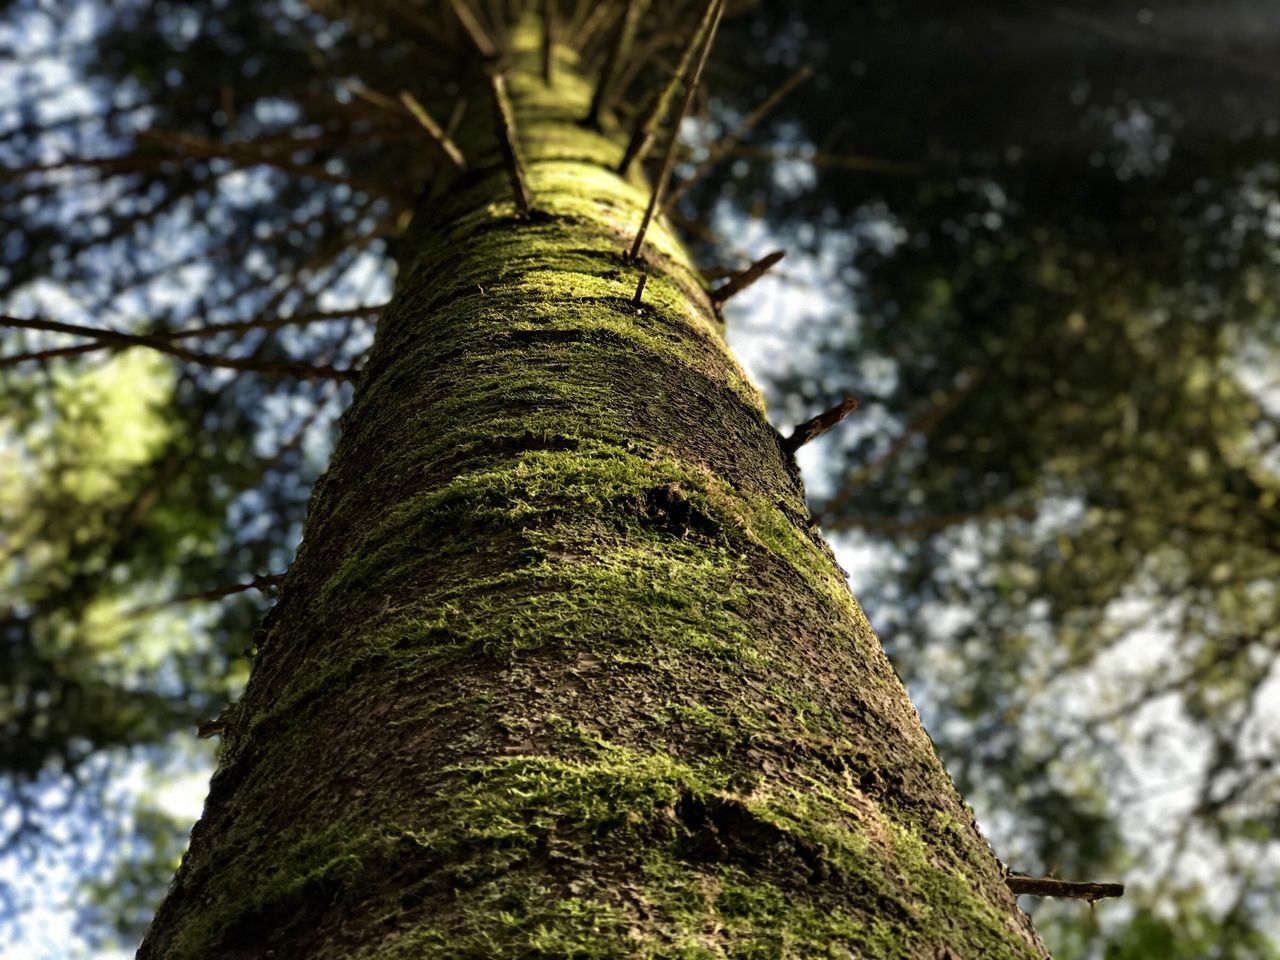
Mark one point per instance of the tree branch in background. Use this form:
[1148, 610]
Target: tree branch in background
[668, 162]
[921, 426]
[434, 129]
[722, 148]
[163, 345]
[647, 125]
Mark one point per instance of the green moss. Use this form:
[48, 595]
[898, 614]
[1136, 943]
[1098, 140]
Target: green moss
[516, 919]
[724, 912]
[679, 600]
[719, 725]
[477, 702]
[325, 863]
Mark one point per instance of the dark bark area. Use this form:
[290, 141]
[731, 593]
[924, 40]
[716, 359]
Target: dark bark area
[562, 668]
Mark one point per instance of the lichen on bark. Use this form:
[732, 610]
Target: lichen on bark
[562, 668]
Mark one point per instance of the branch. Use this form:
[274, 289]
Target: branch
[926, 524]
[668, 163]
[725, 145]
[505, 126]
[1050, 887]
[921, 426]
[434, 129]
[617, 53]
[264, 582]
[113, 337]
[208, 330]
[812, 429]
[250, 154]
[643, 134]
[548, 41]
[740, 281]
[586, 26]
[837, 161]
[471, 26]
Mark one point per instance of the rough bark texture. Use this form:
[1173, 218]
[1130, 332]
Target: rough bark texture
[562, 668]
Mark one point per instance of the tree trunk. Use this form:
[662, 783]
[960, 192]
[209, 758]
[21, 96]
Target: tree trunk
[562, 668]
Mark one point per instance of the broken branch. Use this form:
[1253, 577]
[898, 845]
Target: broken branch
[724, 147]
[643, 134]
[810, 430]
[668, 162]
[437, 133]
[1050, 887]
[505, 124]
[740, 281]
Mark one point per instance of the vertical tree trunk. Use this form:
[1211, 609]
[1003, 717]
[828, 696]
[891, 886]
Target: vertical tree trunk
[562, 668]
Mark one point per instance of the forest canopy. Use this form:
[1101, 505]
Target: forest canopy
[1038, 243]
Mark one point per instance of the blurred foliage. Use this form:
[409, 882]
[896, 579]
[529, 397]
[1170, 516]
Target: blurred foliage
[1045, 242]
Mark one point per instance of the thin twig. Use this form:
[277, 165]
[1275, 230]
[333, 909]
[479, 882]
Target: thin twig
[249, 154]
[812, 429]
[208, 330]
[638, 299]
[668, 162]
[592, 22]
[617, 53]
[505, 125]
[740, 281]
[114, 337]
[725, 145]
[434, 129]
[548, 41]
[646, 126]
[1052, 887]
[358, 88]
[455, 116]
[471, 26]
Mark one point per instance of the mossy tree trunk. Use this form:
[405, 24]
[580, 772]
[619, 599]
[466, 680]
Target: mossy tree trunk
[562, 668]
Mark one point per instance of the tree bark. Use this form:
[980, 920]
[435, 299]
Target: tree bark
[562, 668]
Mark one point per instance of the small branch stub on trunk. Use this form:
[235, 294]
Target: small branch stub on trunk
[505, 125]
[812, 429]
[1052, 887]
[740, 281]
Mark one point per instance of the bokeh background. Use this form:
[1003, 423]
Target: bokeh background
[1040, 242]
